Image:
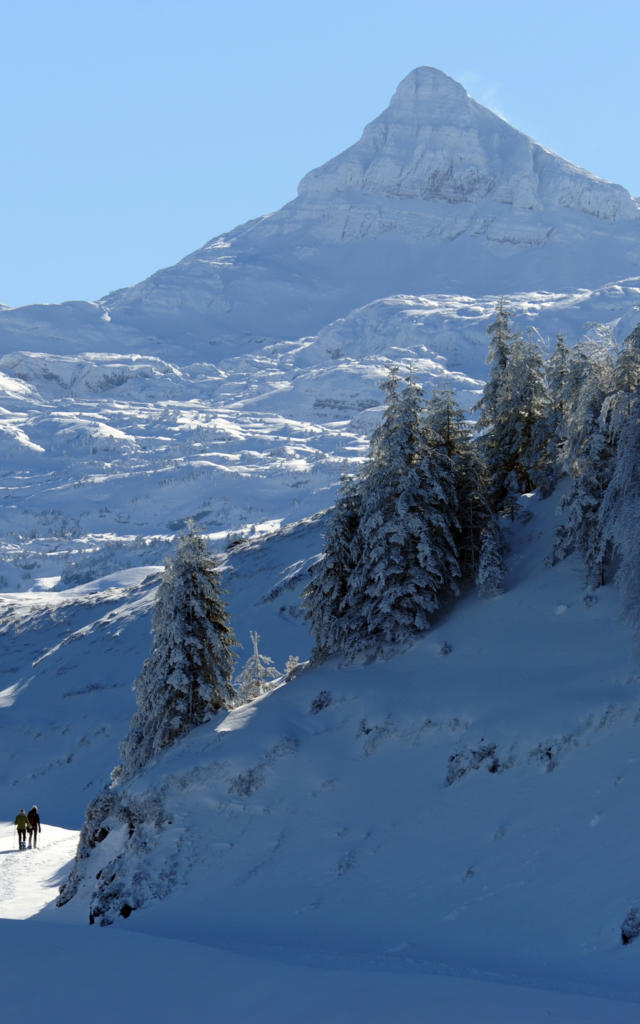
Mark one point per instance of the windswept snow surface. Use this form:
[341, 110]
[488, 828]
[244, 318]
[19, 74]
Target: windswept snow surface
[105, 976]
[454, 832]
[469, 815]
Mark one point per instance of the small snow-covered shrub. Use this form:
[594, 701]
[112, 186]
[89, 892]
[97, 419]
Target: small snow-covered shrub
[486, 755]
[630, 926]
[247, 783]
[258, 675]
[319, 703]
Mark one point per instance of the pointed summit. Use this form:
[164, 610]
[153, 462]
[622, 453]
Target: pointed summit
[439, 195]
[425, 92]
[433, 142]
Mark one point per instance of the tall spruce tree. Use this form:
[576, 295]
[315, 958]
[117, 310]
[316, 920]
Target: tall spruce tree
[490, 565]
[619, 513]
[495, 417]
[407, 555]
[588, 457]
[557, 377]
[326, 600]
[446, 418]
[513, 413]
[187, 676]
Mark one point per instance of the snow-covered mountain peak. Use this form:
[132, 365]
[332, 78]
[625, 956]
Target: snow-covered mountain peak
[434, 142]
[440, 196]
[427, 96]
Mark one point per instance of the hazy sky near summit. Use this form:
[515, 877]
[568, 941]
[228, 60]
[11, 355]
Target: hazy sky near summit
[135, 131]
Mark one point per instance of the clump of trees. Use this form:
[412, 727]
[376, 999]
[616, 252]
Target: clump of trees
[600, 454]
[406, 531]
[420, 521]
[422, 518]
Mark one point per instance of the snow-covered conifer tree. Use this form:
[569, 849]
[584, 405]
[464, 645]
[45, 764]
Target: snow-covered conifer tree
[530, 404]
[407, 555]
[626, 371]
[187, 676]
[501, 336]
[588, 456]
[619, 514]
[326, 600]
[557, 376]
[446, 418]
[513, 412]
[256, 676]
[490, 567]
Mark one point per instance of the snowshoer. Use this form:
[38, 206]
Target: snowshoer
[22, 823]
[34, 826]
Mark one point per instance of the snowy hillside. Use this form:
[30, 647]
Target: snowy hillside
[70, 657]
[469, 813]
[104, 456]
[455, 827]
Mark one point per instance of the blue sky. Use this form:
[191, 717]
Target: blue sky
[134, 132]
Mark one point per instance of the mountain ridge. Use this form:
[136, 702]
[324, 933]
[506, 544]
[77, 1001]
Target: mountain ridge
[439, 196]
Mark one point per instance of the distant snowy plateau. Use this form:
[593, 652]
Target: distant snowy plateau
[472, 816]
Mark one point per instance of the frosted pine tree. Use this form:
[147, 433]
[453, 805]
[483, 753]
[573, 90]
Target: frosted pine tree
[619, 514]
[407, 555]
[257, 675]
[557, 377]
[626, 371]
[446, 418]
[589, 458]
[495, 409]
[530, 412]
[513, 413]
[187, 676]
[490, 566]
[501, 337]
[326, 601]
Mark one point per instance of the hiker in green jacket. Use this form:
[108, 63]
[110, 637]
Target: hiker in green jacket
[22, 823]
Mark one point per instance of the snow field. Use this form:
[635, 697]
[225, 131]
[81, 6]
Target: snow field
[469, 814]
[106, 975]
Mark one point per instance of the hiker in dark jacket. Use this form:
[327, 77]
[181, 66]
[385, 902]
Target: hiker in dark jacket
[21, 824]
[34, 826]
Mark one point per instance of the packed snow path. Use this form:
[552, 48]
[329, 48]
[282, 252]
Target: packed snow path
[29, 879]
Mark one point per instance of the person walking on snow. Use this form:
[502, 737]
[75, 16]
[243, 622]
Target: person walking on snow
[34, 826]
[21, 824]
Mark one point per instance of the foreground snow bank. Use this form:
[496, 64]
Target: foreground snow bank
[106, 975]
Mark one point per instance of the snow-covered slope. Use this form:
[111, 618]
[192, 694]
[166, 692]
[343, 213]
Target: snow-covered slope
[470, 814]
[69, 659]
[474, 809]
[105, 455]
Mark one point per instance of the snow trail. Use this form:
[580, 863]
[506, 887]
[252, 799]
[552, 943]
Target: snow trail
[29, 879]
